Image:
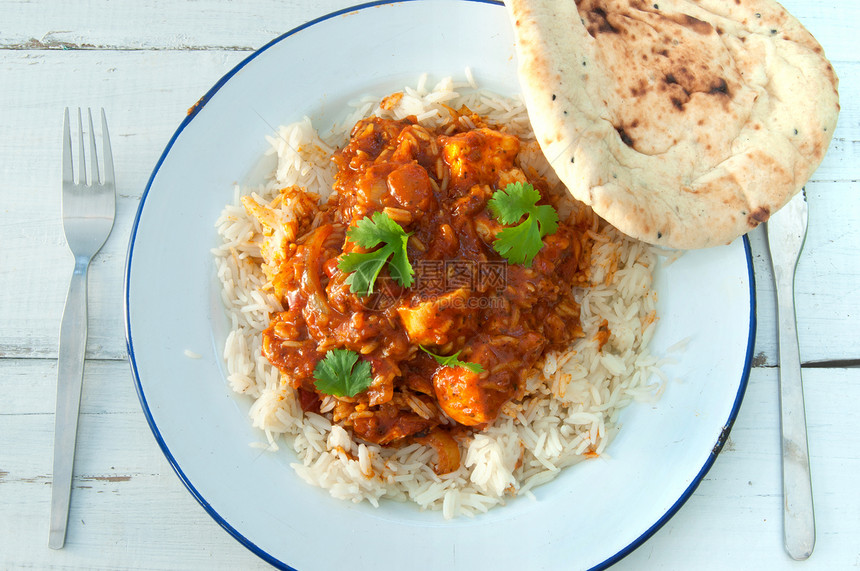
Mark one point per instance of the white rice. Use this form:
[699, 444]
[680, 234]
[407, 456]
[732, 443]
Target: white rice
[575, 396]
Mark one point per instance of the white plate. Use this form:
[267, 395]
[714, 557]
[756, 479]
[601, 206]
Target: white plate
[592, 515]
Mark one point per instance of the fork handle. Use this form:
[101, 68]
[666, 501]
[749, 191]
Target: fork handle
[799, 516]
[70, 371]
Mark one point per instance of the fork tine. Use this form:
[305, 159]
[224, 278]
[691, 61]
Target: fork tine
[67, 149]
[94, 161]
[82, 163]
[108, 155]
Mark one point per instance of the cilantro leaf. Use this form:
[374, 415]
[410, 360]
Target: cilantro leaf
[520, 244]
[370, 232]
[453, 361]
[365, 269]
[341, 373]
[516, 199]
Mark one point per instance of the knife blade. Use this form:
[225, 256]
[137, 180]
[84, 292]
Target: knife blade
[786, 234]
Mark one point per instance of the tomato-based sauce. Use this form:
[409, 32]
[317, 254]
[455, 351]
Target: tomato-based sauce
[465, 297]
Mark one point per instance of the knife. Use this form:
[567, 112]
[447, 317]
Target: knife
[786, 233]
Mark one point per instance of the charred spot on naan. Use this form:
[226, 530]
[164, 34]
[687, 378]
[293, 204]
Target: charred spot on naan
[757, 216]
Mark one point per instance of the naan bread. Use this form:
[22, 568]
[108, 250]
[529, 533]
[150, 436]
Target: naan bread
[684, 123]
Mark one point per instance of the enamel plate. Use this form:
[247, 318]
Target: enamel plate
[592, 515]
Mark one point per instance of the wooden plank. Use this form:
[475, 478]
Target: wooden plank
[211, 24]
[827, 282]
[130, 511]
[155, 24]
[739, 503]
[142, 120]
[147, 62]
[121, 516]
[31, 386]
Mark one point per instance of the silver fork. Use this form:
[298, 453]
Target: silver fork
[88, 213]
[786, 233]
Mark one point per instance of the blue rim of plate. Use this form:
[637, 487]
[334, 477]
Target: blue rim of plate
[192, 113]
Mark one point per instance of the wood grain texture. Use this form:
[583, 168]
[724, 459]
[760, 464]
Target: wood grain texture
[130, 511]
[147, 62]
[155, 24]
[218, 24]
[146, 95]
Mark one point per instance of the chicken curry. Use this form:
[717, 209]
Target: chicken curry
[449, 345]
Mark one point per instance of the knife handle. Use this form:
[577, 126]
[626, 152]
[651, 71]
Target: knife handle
[70, 376]
[799, 516]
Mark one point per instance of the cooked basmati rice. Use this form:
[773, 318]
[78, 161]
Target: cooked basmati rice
[574, 397]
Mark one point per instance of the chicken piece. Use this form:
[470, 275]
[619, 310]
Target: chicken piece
[285, 218]
[439, 320]
[487, 228]
[471, 398]
[371, 189]
[409, 184]
[479, 157]
[511, 176]
[474, 399]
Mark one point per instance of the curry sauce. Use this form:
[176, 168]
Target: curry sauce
[465, 297]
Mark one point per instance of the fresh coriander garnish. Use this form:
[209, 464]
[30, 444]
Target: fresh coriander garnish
[520, 244]
[341, 374]
[453, 361]
[365, 267]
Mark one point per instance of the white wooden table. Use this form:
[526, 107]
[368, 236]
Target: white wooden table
[146, 62]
